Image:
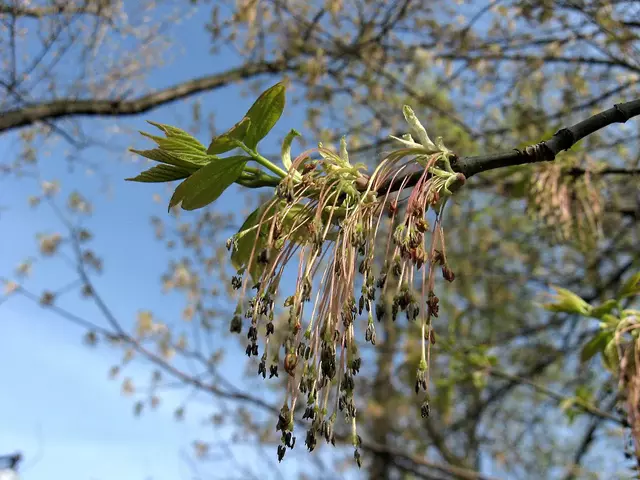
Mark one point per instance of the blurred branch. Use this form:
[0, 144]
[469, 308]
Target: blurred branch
[10, 461]
[98, 8]
[30, 114]
[596, 412]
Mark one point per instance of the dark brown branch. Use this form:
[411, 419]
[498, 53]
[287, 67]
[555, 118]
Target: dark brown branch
[63, 9]
[31, 114]
[545, 151]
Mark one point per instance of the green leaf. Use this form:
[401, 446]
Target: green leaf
[177, 133]
[568, 302]
[177, 144]
[631, 287]
[604, 309]
[161, 173]
[227, 141]
[595, 345]
[208, 183]
[159, 155]
[286, 148]
[610, 356]
[190, 151]
[265, 113]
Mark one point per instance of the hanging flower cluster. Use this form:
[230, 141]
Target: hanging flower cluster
[325, 219]
[319, 219]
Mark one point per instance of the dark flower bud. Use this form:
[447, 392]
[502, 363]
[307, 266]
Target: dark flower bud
[424, 409]
[253, 333]
[370, 334]
[380, 311]
[263, 257]
[248, 350]
[356, 456]
[448, 274]
[355, 366]
[270, 328]
[262, 369]
[236, 282]
[273, 371]
[348, 382]
[281, 451]
[254, 349]
[309, 413]
[310, 441]
[413, 310]
[236, 324]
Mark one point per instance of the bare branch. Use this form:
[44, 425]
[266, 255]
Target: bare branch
[91, 8]
[31, 114]
[544, 151]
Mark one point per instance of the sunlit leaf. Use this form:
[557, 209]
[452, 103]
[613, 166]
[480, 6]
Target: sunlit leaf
[208, 183]
[601, 310]
[286, 148]
[610, 356]
[631, 287]
[595, 345]
[265, 113]
[226, 141]
[161, 173]
[159, 155]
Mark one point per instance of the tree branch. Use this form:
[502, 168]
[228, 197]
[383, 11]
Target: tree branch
[21, 117]
[544, 151]
[98, 9]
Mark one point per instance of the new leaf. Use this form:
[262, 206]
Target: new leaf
[208, 183]
[161, 173]
[264, 114]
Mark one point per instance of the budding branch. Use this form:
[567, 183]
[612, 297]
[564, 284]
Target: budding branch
[544, 151]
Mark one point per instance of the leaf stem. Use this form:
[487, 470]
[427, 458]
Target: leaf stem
[262, 160]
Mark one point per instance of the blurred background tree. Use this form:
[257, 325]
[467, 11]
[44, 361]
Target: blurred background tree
[78, 78]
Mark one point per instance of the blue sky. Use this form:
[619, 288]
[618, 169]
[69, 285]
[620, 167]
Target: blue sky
[57, 404]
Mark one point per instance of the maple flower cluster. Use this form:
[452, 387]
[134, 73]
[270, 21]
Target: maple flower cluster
[326, 221]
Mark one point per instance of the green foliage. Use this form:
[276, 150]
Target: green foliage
[229, 140]
[614, 321]
[264, 114]
[631, 287]
[568, 302]
[207, 175]
[161, 173]
[286, 148]
[208, 183]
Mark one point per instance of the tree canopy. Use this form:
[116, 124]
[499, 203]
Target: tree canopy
[528, 174]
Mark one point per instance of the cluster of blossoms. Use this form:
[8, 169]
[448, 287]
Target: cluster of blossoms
[327, 214]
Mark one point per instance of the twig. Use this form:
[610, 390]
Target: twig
[30, 114]
[544, 151]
